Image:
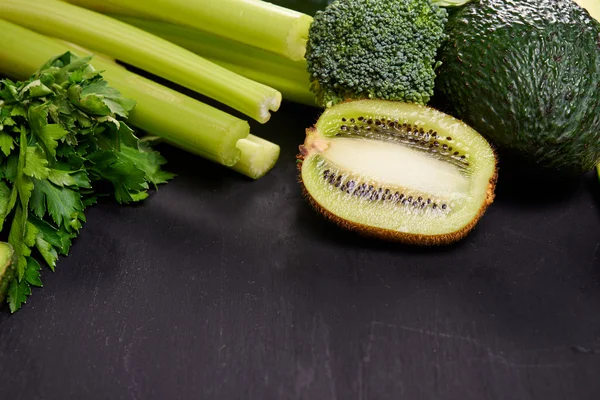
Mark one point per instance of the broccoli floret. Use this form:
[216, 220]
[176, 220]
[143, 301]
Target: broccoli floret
[382, 49]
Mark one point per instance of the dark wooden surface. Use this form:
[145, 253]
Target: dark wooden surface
[222, 288]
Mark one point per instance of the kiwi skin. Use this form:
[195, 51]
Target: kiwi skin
[395, 236]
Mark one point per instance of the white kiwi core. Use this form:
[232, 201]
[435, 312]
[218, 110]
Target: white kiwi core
[396, 165]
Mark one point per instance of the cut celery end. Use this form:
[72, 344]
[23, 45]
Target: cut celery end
[288, 77]
[253, 22]
[148, 52]
[259, 156]
[179, 119]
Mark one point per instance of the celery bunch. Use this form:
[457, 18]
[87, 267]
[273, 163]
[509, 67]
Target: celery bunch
[253, 22]
[290, 77]
[141, 49]
[256, 39]
[160, 111]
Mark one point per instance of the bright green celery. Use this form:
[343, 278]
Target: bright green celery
[141, 49]
[254, 156]
[253, 22]
[258, 156]
[289, 77]
[179, 119]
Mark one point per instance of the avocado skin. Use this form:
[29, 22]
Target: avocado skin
[526, 75]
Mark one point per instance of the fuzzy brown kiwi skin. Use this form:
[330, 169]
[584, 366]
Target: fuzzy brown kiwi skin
[395, 236]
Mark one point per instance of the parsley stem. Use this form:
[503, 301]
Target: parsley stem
[143, 50]
[291, 78]
[253, 22]
[173, 116]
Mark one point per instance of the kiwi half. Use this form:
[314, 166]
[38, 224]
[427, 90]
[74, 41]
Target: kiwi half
[397, 171]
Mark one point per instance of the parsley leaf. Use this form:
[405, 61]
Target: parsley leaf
[63, 140]
[121, 171]
[17, 294]
[63, 204]
[7, 143]
[19, 240]
[61, 178]
[32, 272]
[36, 163]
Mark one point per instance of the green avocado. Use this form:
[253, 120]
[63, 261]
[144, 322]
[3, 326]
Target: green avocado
[526, 75]
[7, 271]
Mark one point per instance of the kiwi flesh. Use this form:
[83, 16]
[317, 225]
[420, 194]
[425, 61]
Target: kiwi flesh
[397, 171]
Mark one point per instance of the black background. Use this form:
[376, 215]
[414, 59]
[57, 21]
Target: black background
[218, 287]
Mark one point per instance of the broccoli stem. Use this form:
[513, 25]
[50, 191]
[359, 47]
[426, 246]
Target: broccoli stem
[289, 77]
[179, 119]
[145, 51]
[253, 22]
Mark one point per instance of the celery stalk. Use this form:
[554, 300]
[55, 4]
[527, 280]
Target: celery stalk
[141, 49]
[292, 89]
[284, 31]
[179, 119]
[289, 77]
[258, 156]
[216, 46]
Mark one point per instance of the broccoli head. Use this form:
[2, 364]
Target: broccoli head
[382, 49]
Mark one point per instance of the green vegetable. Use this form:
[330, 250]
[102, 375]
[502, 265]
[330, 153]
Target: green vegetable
[362, 49]
[206, 131]
[257, 156]
[253, 22]
[593, 8]
[278, 72]
[7, 270]
[311, 7]
[356, 48]
[524, 73]
[121, 41]
[65, 142]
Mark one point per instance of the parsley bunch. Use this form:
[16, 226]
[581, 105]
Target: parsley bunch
[63, 143]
